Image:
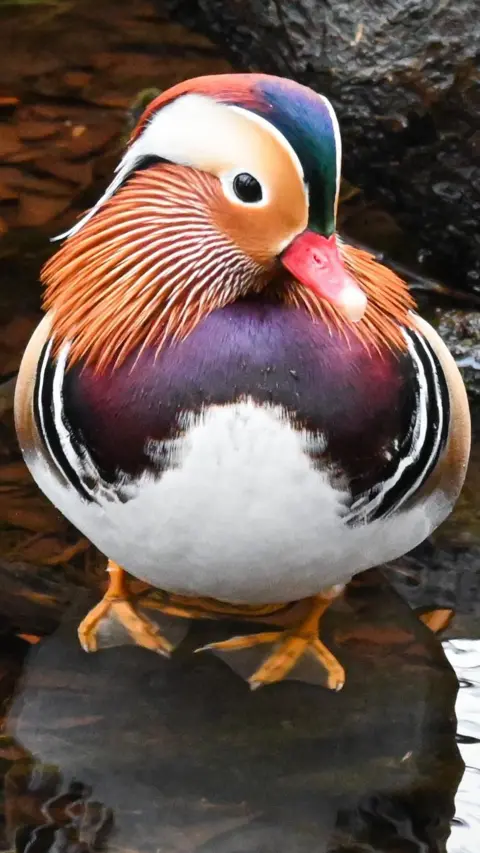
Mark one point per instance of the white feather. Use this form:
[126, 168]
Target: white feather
[241, 515]
[196, 131]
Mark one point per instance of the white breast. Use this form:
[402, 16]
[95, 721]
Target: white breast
[241, 515]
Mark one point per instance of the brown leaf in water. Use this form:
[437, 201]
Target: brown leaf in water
[9, 141]
[38, 549]
[32, 639]
[75, 173]
[437, 620]
[36, 210]
[78, 130]
[31, 131]
[15, 472]
[87, 140]
[9, 101]
[68, 553]
[39, 598]
[77, 79]
[7, 193]
[31, 515]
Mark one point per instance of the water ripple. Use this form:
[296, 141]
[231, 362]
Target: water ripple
[464, 657]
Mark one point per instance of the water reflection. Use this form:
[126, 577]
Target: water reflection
[125, 751]
[464, 656]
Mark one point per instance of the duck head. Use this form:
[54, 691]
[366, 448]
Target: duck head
[228, 187]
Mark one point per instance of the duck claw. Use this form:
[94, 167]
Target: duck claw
[144, 632]
[289, 649]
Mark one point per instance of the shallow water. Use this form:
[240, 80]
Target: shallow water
[180, 755]
[125, 751]
[122, 750]
[464, 657]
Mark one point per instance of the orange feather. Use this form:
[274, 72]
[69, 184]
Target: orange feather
[135, 275]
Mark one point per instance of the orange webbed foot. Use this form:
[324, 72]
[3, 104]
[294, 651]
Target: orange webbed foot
[290, 645]
[116, 603]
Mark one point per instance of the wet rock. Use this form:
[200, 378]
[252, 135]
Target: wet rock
[182, 756]
[443, 575]
[405, 82]
[461, 332]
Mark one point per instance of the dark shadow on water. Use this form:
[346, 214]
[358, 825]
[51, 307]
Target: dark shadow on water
[123, 750]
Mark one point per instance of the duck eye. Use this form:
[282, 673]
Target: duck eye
[247, 188]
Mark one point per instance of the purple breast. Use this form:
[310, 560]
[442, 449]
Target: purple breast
[361, 401]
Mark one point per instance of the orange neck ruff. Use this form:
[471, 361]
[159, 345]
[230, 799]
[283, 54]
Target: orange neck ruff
[151, 264]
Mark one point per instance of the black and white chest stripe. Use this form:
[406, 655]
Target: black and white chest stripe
[418, 451]
[415, 455]
[64, 444]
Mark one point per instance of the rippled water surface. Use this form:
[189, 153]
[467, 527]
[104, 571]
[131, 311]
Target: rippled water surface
[464, 656]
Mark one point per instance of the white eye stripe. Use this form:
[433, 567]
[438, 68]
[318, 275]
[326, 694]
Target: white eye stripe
[181, 132]
[338, 143]
[277, 135]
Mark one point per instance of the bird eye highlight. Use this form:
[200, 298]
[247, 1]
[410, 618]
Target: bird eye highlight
[247, 188]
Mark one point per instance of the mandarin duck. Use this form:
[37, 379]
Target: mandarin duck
[234, 405]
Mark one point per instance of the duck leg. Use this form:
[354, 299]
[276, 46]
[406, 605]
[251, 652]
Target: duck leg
[117, 602]
[290, 645]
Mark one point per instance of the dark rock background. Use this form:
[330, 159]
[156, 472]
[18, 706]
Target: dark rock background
[404, 77]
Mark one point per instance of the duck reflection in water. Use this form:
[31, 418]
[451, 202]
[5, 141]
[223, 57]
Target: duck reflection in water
[124, 752]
